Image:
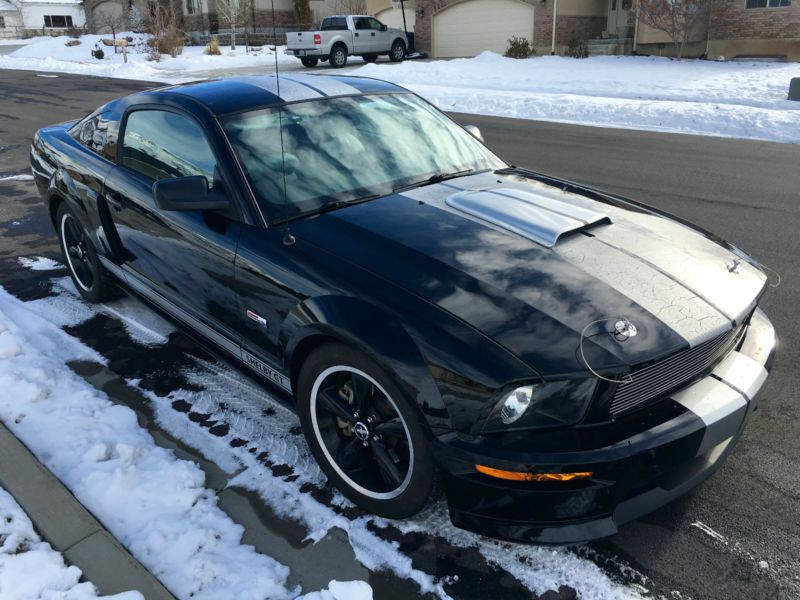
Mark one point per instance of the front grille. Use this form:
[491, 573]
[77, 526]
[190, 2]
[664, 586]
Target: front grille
[667, 375]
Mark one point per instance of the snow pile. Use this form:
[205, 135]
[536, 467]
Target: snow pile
[342, 590]
[155, 504]
[736, 99]
[40, 263]
[31, 569]
[52, 54]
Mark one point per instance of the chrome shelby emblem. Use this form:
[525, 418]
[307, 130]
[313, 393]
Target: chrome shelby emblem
[733, 266]
[361, 431]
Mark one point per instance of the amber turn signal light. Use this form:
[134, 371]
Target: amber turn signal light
[519, 476]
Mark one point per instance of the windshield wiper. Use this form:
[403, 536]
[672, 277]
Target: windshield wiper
[326, 208]
[436, 178]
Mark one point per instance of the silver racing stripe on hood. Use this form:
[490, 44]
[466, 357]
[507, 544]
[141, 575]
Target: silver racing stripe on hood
[683, 311]
[699, 264]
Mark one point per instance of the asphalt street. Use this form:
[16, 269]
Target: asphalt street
[745, 191]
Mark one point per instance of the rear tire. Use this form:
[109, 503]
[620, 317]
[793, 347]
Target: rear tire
[83, 264]
[366, 434]
[309, 61]
[370, 58]
[338, 57]
[398, 51]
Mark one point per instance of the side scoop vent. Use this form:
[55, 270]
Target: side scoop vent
[539, 218]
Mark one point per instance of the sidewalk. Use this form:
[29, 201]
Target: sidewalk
[69, 528]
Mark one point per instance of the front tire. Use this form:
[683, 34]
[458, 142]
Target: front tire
[364, 432]
[309, 61]
[398, 51]
[338, 57]
[81, 258]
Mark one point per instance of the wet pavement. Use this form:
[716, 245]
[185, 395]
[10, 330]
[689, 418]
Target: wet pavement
[207, 411]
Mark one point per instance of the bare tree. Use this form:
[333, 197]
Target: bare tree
[233, 13]
[112, 21]
[302, 12]
[676, 18]
[165, 36]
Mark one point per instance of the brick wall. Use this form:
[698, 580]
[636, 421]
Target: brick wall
[732, 21]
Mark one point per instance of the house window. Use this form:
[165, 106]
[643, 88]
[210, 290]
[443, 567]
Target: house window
[58, 21]
[767, 3]
[190, 8]
[2, 22]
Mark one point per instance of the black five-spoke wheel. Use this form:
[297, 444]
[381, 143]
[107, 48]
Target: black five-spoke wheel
[361, 432]
[364, 432]
[80, 256]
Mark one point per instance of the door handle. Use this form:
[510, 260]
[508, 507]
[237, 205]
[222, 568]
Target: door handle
[373, 34]
[116, 202]
[356, 35]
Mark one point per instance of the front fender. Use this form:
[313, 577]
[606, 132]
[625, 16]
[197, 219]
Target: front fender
[369, 329]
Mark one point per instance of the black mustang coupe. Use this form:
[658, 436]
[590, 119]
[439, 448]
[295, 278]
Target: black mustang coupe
[563, 360]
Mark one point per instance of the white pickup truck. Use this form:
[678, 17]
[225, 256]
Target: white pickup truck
[341, 36]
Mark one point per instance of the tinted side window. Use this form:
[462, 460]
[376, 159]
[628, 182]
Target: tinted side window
[161, 145]
[374, 24]
[334, 23]
[362, 23]
[99, 134]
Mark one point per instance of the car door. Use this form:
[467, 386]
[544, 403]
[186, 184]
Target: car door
[182, 260]
[378, 37]
[363, 40]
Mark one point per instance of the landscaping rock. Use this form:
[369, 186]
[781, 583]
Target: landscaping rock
[794, 89]
[73, 43]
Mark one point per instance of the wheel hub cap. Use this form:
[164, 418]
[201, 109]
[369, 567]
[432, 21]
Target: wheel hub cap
[361, 430]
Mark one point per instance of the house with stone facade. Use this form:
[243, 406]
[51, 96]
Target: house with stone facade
[451, 28]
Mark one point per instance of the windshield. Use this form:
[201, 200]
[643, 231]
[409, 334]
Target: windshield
[348, 148]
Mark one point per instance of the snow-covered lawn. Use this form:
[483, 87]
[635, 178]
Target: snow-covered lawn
[31, 570]
[53, 55]
[735, 99]
[158, 507]
[153, 503]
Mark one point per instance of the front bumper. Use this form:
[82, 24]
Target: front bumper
[630, 478]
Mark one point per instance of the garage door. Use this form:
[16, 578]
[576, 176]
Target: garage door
[470, 27]
[392, 17]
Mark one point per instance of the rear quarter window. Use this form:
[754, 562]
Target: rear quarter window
[98, 132]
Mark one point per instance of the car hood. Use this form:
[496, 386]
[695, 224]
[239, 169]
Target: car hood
[546, 273]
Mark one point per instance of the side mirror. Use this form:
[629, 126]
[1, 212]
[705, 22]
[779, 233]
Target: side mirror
[187, 193]
[383, 27]
[474, 131]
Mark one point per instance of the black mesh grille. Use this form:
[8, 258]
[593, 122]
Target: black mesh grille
[673, 372]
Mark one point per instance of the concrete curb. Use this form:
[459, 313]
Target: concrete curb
[69, 528]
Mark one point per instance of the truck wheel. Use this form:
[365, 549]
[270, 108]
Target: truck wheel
[309, 61]
[370, 58]
[398, 51]
[338, 57]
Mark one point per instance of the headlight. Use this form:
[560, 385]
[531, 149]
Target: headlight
[550, 404]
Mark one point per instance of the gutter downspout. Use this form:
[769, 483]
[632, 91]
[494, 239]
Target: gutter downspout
[555, 16]
[636, 29]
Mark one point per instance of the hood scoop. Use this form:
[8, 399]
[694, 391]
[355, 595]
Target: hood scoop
[537, 217]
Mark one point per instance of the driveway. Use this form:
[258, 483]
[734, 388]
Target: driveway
[743, 190]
